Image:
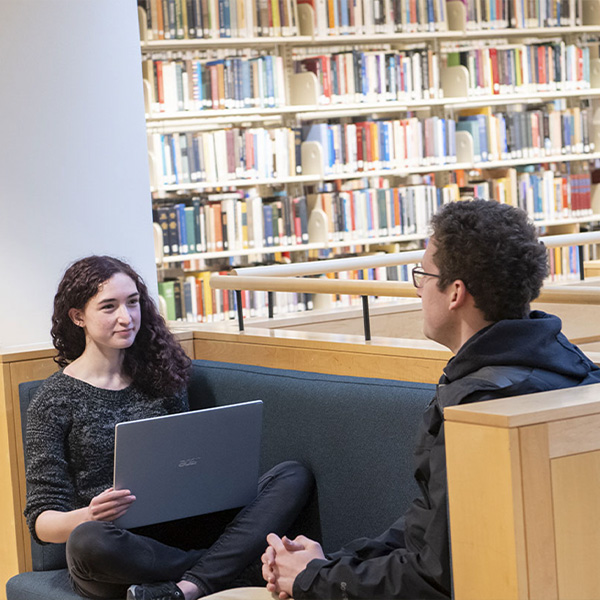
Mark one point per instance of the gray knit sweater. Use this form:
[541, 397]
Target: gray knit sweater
[70, 440]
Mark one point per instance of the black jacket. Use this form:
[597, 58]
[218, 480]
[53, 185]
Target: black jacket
[411, 560]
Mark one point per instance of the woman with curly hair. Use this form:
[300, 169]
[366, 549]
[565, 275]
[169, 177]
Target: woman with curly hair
[120, 363]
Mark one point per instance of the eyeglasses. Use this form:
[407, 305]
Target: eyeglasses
[418, 276]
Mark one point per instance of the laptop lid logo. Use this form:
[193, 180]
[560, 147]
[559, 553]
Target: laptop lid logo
[188, 462]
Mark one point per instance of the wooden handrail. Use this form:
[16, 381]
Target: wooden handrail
[396, 289]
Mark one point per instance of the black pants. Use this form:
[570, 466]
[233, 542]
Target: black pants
[210, 551]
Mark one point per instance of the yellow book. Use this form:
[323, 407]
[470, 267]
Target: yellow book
[276, 17]
[207, 297]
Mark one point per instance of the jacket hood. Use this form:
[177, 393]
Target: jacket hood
[535, 342]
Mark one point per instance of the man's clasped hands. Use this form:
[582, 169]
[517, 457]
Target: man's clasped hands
[284, 559]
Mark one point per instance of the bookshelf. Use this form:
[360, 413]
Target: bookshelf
[498, 99]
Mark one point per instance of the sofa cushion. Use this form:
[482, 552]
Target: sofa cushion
[46, 585]
[356, 434]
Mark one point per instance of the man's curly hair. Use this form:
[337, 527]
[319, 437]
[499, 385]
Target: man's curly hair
[494, 250]
[155, 361]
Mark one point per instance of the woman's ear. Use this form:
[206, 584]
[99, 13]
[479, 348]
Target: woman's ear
[76, 316]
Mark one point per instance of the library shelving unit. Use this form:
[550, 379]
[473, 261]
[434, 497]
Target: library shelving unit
[435, 102]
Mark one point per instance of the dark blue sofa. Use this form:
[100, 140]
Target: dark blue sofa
[356, 434]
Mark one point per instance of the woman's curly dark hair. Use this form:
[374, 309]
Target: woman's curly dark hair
[155, 361]
[494, 250]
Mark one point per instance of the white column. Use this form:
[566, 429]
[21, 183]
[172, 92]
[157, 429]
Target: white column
[73, 159]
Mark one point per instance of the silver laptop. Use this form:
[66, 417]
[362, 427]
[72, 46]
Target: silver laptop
[189, 463]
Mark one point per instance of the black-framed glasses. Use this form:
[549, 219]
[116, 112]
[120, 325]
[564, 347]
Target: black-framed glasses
[418, 276]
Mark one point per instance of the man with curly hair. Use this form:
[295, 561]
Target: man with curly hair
[482, 268]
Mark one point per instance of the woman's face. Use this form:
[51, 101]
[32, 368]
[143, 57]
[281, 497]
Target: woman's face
[111, 318]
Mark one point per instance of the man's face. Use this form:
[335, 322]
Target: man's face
[438, 324]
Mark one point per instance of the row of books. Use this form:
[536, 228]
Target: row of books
[377, 212]
[564, 264]
[190, 83]
[527, 68]
[522, 14]
[342, 17]
[230, 222]
[546, 195]
[190, 298]
[384, 144]
[196, 19]
[535, 132]
[226, 155]
[373, 75]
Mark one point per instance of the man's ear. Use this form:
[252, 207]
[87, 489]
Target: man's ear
[459, 294]
[76, 316]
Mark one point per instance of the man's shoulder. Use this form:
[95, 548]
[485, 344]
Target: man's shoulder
[492, 382]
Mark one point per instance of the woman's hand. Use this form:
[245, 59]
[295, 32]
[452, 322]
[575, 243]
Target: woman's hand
[56, 526]
[110, 505]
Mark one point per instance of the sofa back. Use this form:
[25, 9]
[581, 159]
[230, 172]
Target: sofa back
[356, 434]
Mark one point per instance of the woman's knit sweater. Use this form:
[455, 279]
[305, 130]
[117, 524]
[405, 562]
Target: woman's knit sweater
[70, 440]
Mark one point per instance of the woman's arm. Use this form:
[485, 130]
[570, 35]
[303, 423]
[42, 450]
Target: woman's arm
[55, 526]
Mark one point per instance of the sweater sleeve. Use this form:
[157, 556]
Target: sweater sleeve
[380, 568]
[49, 483]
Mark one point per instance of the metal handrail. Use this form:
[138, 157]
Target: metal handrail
[288, 278]
[335, 265]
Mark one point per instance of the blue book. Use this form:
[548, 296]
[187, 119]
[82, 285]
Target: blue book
[176, 175]
[385, 143]
[270, 80]
[483, 136]
[190, 228]
[199, 234]
[268, 224]
[197, 79]
[331, 145]
[182, 226]
[246, 79]
[344, 17]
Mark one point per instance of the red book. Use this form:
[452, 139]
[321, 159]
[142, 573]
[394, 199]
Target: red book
[158, 75]
[397, 221]
[225, 298]
[360, 146]
[495, 74]
[541, 65]
[352, 212]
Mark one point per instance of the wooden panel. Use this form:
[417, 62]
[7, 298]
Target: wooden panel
[576, 493]
[21, 372]
[532, 409]
[573, 436]
[537, 509]
[486, 513]
[591, 268]
[11, 553]
[324, 360]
